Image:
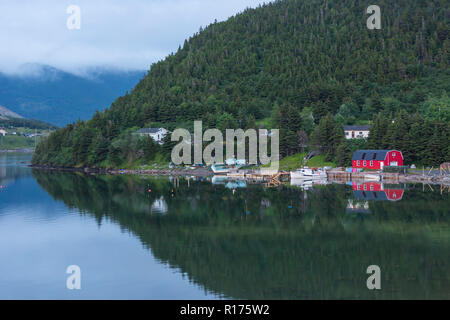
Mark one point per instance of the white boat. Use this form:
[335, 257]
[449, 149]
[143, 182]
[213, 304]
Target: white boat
[308, 173]
[220, 169]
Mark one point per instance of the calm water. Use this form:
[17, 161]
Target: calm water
[199, 240]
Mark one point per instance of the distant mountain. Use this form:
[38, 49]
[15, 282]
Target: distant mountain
[6, 114]
[58, 97]
[9, 118]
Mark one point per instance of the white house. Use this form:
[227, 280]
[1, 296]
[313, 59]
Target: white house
[356, 132]
[157, 134]
[2, 132]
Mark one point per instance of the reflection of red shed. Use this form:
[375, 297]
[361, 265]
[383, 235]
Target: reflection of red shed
[368, 186]
[376, 191]
[377, 159]
[394, 194]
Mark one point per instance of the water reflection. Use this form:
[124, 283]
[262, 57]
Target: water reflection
[366, 192]
[13, 166]
[275, 243]
[308, 184]
[159, 206]
[377, 191]
[231, 184]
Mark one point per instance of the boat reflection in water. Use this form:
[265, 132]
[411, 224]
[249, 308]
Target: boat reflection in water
[372, 191]
[159, 206]
[230, 183]
[308, 184]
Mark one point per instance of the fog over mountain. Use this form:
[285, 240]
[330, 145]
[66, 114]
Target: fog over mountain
[59, 97]
[126, 35]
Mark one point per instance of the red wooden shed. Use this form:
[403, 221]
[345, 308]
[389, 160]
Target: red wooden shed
[377, 159]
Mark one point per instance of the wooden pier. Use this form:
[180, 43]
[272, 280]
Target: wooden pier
[339, 175]
[270, 178]
[362, 176]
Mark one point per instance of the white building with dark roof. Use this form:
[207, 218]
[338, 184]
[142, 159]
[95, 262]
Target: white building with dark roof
[356, 132]
[157, 134]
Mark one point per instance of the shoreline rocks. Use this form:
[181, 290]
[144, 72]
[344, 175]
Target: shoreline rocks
[199, 172]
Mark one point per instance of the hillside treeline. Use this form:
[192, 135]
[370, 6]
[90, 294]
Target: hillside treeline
[301, 59]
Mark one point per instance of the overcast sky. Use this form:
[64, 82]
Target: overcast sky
[124, 34]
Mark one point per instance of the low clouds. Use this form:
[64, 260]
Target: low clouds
[126, 35]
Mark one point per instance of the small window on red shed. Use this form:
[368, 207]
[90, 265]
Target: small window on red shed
[393, 154]
[371, 163]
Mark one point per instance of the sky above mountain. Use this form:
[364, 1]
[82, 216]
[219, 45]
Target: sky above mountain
[124, 35]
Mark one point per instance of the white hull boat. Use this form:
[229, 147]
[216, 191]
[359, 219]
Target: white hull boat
[220, 169]
[308, 174]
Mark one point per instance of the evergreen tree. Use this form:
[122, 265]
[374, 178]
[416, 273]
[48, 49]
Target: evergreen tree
[151, 148]
[343, 155]
[327, 136]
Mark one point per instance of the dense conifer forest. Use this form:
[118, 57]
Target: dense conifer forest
[306, 67]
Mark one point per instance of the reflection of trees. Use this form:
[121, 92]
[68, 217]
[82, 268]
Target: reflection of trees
[261, 244]
[10, 173]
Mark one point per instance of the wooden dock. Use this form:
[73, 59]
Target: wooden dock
[271, 178]
[339, 175]
[361, 176]
[277, 179]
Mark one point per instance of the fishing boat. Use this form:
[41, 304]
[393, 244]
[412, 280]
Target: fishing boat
[220, 169]
[308, 173]
[230, 166]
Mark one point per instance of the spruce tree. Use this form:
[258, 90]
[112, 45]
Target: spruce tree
[343, 155]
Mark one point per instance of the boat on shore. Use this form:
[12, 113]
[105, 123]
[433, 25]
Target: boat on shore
[231, 166]
[308, 174]
[220, 169]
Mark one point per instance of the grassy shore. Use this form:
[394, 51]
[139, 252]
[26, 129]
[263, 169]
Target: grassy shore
[16, 142]
[295, 161]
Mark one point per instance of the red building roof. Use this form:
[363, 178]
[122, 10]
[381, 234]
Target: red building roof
[371, 154]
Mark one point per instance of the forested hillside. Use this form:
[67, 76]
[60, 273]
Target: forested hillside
[286, 64]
